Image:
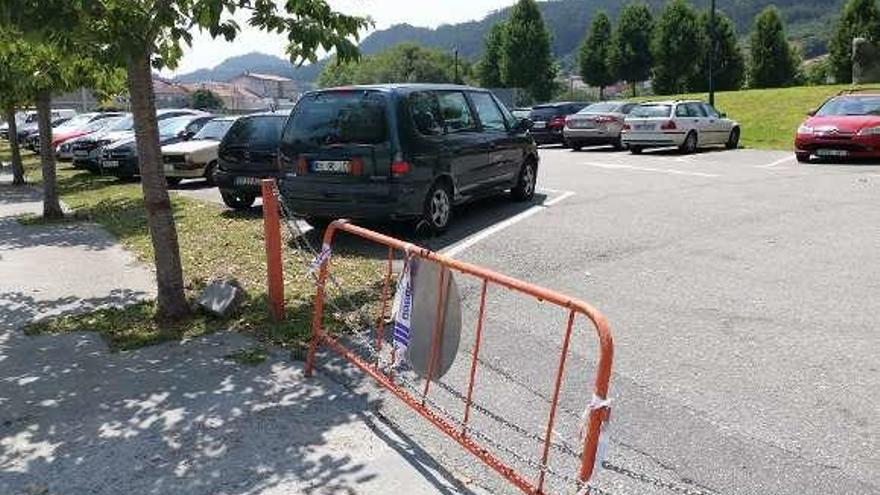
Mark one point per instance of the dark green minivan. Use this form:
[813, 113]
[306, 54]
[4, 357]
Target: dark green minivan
[402, 152]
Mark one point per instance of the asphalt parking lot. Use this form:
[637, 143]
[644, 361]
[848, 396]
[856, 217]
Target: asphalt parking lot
[741, 288]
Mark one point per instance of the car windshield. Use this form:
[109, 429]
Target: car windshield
[606, 107]
[214, 130]
[123, 124]
[257, 129]
[78, 121]
[651, 111]
[173, 127]
[851, 106]
[100, 124]
[336, 117]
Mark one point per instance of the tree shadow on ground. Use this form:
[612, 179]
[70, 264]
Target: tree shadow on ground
[179, 418]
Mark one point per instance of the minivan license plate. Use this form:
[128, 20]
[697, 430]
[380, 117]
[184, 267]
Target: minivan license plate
[539, 124]
[331, 166]
[247, 181]
[110, 164]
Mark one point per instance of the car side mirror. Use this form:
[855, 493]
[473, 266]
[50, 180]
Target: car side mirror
[811, 113]
[522, 125]
[185, 135]
[723, 115]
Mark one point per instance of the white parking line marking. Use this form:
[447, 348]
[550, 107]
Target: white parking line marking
[650, 169]
[777, 162]
[467, 242]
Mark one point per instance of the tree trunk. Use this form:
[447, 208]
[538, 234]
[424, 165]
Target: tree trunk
[633, 84]
[163, 232]
[601, 93]
[17, 167]
[51, 206]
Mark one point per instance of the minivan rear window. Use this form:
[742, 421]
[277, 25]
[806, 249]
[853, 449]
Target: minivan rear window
[644, 111]
[257, 129]
[339, 117]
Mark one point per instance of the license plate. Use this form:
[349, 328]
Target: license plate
[331, 166]
[247, 181]
[643, 127]
[110, 164]
[832, 153]
[539, 125]
[81, 153]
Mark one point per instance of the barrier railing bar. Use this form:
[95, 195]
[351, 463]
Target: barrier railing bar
[476, 353]
[597, 415]
[380, 327]
[473, 447]
[439, 323]
[555, 401]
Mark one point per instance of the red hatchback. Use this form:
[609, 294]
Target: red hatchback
[846, 126]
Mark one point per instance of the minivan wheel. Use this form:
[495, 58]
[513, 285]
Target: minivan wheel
[802, 157]
[690, 144]
[172, 181]
[238, 200]
[438, 207]
[524, 189]
[636, 150]
[318, 223]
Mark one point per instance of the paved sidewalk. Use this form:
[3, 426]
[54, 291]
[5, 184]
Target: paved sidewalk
[177, 418]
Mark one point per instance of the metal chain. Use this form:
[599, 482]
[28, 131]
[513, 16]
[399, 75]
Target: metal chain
[360, 338]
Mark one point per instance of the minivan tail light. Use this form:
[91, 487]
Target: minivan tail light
[557, 122]
[400, 167]
[669, 125]
[357, 166]
[302, 166]
[627, 127]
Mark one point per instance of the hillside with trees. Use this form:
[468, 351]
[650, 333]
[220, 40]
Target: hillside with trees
[809, 23]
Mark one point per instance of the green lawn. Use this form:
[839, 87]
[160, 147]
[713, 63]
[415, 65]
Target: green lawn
[769, 117]
[214, 243]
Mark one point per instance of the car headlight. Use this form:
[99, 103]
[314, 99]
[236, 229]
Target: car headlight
[805, 129]
[870, 131]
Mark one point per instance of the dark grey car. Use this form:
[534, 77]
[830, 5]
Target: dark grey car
[405, 152]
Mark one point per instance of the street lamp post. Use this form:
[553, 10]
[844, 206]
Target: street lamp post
[712, 51]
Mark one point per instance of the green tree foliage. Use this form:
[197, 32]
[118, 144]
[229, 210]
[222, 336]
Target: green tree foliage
[406, 62]
[205, 99]
[594, 57]
[773, 63]
[631, 44]
[526, 61]
[730, 64]
[677, 43]
[489, 67]
[14, 92]
[860, 19]
[142, 35]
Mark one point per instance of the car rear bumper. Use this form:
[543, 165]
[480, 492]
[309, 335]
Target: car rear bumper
[365, 201]
[653, 139]
[241, 181]
[547, 135]
[598, 136]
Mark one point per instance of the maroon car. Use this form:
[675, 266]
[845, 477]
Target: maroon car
[845, 126]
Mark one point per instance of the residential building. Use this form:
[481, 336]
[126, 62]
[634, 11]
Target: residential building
[277, 88]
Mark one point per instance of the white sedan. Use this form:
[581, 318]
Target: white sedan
[688, 125]
[198, 156]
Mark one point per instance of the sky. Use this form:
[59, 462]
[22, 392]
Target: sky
[206, 52]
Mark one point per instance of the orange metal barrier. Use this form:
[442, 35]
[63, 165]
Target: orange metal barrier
[599, 411]
[272, 231]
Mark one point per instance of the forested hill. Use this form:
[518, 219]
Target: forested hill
[808, 21]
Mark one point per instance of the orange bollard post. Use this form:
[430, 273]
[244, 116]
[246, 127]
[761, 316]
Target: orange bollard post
[272, 229]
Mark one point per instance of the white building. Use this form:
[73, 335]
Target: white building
[278, 88]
